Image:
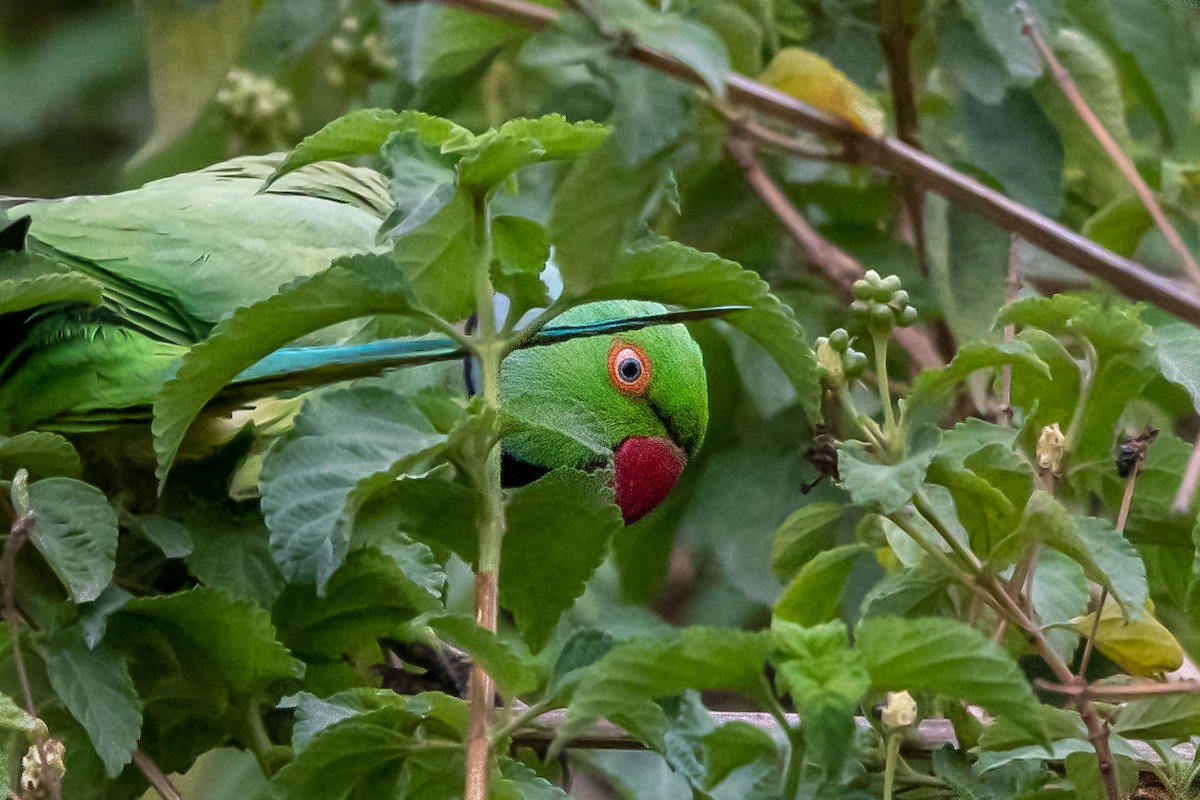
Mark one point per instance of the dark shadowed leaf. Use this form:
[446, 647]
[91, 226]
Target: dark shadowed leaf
[76, 530]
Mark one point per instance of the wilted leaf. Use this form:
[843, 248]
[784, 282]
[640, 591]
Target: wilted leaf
[809, 77]
[1138, 644]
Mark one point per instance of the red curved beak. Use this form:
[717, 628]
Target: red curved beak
[646, 469]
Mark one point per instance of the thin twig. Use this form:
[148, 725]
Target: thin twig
[155, 776]
[836, 264]
[1118, 694]
[18, 534]
[1065, 82]
[896, 32]
[1012, 287]
[893, 155]
[1191, 475]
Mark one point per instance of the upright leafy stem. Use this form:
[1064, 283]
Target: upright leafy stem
[489, 346]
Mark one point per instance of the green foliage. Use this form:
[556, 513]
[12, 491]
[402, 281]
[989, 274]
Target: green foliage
[301, 552]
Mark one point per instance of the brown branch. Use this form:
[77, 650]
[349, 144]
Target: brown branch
[1118, 694]
[896, 32]
[481, 692]
[1128, 277]
[153, 773]
[18, 534]
[1012, 287]
[838, 266]
[1065, 82]
[1191, 475]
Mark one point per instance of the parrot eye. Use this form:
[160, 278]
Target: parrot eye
[628, 368]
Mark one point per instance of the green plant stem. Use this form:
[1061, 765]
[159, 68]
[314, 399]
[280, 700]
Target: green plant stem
[881, 379]
[489, 348]
[889, 767]
[256, 734]
[518, 721]
[795, 761]
[965, 555]
[1087, 376]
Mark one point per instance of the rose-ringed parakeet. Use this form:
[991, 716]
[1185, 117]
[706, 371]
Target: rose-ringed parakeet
[175, 256]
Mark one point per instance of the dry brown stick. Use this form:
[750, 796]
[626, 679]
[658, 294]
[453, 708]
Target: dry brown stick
[1065, 82]
[1191, 475]
[1128, 277]
[18, 534]
[839, 267]
[896, 32]
[155, 776]
[1117, 694]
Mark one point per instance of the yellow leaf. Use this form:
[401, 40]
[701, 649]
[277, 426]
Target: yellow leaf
[809, 77]
[1140, 646]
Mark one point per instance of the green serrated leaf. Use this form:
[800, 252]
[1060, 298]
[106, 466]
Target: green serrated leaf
[687, 41]
[42, 454]
[931, 387]
[558, 530]
[509, 663]
[814, 595]
[358, 757]
[439, 258]
[805, 533]
[421, 181]
[952, 659]
[621, 685]
[492, 157]
[826, 680]
[882, 488]
[1160, 718]
[75, 529]
[353, 287]
[367, 598]
[585, 647]
[201, 632]
[1104, 554]
[989, 487]
[363, 133]
[26, 293]
[344, 444]
[94, 684]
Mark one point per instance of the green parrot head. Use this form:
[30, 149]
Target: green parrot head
[636, 401]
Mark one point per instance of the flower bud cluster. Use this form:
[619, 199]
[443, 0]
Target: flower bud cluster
[880, 302]
[840, 361]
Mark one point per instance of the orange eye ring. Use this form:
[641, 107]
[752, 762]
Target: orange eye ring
[628, 368]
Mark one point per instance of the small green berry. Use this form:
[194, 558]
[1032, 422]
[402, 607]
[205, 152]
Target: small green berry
[861, 290]
[906, 316]
[821, 342]
[882, 294]
[860, 307]
[881, 316]
[871, 277]
[900, 298]
[891, 283]
[839, 340]
[855, 363]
